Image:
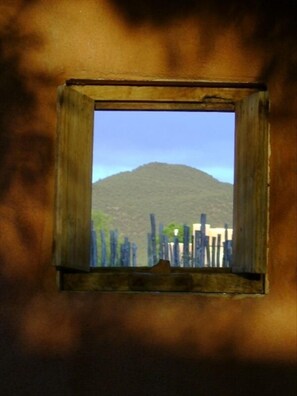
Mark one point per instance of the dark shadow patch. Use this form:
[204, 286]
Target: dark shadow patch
[26, 144]
[264, 26]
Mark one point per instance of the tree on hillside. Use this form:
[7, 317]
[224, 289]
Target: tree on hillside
[102, 223]
[169, 230]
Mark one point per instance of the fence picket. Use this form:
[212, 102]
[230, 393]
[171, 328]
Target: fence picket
[94, 248]
[176, 252]
[219, 239]
[197, 241]
[207, 264]
[134, 254]
[153, 238]
[213, 252]
[125, 250]
[203, 239]
[103, 249]
[113, 248]
[186, 248]
[149, 250]
[205, 251]
[161, 245]
[225, 259]
[166, 245]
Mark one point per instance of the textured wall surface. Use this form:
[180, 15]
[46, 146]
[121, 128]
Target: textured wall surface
[55, 343]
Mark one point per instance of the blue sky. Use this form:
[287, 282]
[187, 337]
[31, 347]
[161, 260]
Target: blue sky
[124, 140]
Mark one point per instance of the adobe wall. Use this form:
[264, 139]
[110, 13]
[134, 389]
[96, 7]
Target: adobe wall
[55, 343]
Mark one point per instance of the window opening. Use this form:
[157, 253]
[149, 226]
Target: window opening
[162, 188]
[77, 101]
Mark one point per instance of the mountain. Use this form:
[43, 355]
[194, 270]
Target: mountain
[174, 193]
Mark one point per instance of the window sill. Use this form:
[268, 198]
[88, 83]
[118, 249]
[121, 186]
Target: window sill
[177, 280]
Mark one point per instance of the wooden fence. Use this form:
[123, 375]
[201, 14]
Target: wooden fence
[196, 249]
[119, 254]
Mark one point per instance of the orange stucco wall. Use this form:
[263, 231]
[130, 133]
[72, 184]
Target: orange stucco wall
[55, 343]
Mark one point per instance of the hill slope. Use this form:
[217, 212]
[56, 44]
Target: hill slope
[174, 193]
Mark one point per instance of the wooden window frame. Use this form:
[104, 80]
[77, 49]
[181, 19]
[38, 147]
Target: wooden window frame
[77, 101]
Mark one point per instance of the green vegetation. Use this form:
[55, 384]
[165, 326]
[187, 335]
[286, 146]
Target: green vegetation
[102, 221]
[169, 230]
[174, 193]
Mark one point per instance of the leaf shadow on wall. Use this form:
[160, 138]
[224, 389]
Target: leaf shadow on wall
[26, 152]
[87, 343]
[269, 27]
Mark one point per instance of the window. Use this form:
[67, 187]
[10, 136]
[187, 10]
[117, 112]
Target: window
[149, 179]
[76, 104]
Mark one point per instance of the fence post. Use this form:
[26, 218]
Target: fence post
[161, 242]
[207, 264]
[170, 251]
[122, 254]
[94, 249]
[213, 252]
[103, 249]
[149, 250]
[203, 240]
[193, 250]
[197, 241]
[225, 246]
[166, 247]
[153, 236]
[125, 253]
[219, 250]
[113, 248]
[134, 254]
[176, 252]
[229, 253]
[186, 241]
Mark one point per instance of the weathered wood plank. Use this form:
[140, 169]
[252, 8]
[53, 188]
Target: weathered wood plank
[251, 185]
[160, 282]
[166, 93]
[256, 85]
[73, 177]
[166, 106]
[206, 280]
